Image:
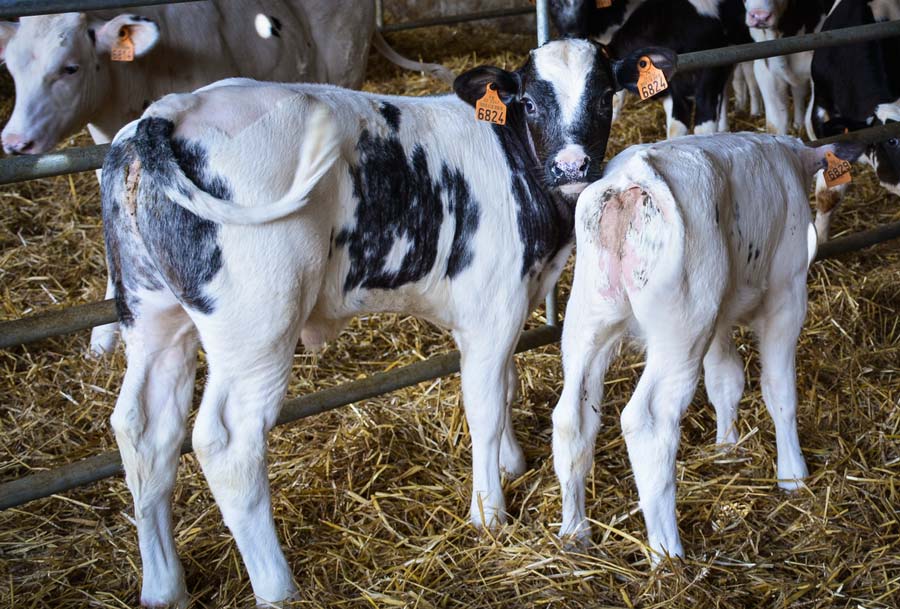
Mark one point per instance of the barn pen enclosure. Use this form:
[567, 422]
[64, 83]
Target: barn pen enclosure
[371, 500]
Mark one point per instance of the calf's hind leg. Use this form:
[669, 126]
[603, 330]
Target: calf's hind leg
[149, 422]
[778, 328]
[677, 338]
[249, 363]
[723, 374]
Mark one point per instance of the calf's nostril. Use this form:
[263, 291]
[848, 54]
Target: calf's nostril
[557, 171]
[585, 164]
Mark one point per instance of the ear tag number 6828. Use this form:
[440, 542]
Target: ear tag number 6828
[651, 79]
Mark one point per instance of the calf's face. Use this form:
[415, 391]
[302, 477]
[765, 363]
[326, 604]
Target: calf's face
[885, 155]
[564, 94]
[60, 66]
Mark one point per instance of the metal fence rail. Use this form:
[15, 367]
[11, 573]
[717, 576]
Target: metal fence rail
[46, 483]
[72, 160]
[26, 8]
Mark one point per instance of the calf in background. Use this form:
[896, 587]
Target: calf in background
[856, 86]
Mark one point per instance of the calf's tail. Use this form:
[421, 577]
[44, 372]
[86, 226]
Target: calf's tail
[319, 149]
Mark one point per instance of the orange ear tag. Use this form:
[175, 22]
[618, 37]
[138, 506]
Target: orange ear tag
[489, 108]
[604, 3]
[651, 80]
[837, 172]
[123, 50]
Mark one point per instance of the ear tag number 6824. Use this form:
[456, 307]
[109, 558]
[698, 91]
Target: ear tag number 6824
[651, 79]
[490, 108]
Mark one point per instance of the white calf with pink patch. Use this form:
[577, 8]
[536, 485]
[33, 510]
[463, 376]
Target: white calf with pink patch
[678, 243]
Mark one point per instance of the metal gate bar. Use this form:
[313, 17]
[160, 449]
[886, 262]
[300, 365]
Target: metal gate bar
[26, 8]
[46, 483]
[28, 167]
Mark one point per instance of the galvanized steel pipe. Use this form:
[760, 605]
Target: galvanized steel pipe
[25, 8]
[58, 480]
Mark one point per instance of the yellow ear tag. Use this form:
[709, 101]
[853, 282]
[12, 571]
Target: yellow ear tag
[604, 3]
[837, 172]
[489, 108]
[123, 50]
[651, 80]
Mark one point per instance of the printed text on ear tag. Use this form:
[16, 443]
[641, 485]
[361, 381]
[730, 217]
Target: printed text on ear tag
[651, 80]
[489, 108]
[123, 49]
[837, 172]
[604, 3]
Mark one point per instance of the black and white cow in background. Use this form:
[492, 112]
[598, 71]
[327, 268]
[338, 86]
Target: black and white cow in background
[380, 204]
[684, 25]
[776, 76]
[856, 86]
[680, 241]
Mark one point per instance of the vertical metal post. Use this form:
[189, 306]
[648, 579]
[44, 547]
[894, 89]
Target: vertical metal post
[543, 35]
[379, 14]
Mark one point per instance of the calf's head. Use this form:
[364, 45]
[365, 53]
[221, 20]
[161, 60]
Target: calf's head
[60, 65]
[883, 156]
[764, 14]
[563, 97]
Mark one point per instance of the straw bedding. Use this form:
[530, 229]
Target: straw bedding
[371, 500]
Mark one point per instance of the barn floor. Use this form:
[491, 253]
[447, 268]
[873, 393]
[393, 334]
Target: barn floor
[371, 500]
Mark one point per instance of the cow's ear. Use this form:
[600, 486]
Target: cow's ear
[8, 29]
[143, 32]
[627, 69]
[470, 86]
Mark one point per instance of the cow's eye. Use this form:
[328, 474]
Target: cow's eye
[69, 69]
[893, 142]
[530, 108]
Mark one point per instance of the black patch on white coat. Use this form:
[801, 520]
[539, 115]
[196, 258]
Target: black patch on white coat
[396, 199]
[391, 114]
[585, 19]
[183, 246]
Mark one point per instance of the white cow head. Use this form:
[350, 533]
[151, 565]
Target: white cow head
[60, 65]
[764, 14]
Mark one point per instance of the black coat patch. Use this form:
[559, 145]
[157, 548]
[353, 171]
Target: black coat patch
[391, 114]
[545, 221]
[398, 199]
[184, 247]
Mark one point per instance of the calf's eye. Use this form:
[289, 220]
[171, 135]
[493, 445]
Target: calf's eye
[70, 69]
[530, 108]
[893, 142]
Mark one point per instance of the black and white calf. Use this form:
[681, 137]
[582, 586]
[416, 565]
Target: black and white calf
[686, 26]
[856, 86]
[682, 25]
[679, 242]
[380, 204]
[776, 76]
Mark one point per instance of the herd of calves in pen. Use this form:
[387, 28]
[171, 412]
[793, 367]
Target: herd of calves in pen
[247, 216]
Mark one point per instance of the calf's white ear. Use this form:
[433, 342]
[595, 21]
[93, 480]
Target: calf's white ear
[626, 68]
[8, 29]
[143, 33]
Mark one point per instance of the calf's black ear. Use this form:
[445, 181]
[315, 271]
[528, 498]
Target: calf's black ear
[470, 86]
[626, 69]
